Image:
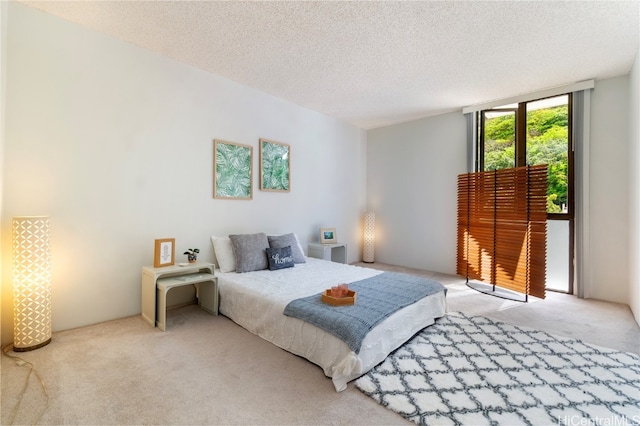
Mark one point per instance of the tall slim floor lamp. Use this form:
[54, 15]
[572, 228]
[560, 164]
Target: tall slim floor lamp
[369, 237]
[31, 282]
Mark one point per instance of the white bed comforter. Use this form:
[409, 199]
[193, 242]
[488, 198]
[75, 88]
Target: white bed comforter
[256, 300]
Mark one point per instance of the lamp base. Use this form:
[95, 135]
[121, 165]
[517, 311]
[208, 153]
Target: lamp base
[34, 347]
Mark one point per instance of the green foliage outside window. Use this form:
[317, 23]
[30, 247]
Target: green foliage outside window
[500, 142]
[547, 143]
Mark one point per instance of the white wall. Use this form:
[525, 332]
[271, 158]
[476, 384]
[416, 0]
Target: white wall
[3, 50]
[609, 190]
[634, 188]
[115, 143]
[412, 188]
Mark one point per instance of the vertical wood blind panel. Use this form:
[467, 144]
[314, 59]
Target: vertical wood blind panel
[502, 228]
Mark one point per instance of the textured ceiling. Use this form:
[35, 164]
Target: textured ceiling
[377, 63]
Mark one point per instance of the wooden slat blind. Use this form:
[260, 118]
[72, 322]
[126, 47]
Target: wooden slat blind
[502, 228]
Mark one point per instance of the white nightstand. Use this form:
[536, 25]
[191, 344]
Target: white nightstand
[333, 252]
[156, 283]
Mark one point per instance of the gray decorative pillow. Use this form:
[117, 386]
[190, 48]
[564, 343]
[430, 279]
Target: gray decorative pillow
[249, 251]
[279, 241]
[280, 258]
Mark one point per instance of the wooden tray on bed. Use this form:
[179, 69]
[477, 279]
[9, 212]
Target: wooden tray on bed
[349, 299]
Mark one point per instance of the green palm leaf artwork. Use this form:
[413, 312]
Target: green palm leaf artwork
[274, 166]
[232, 170]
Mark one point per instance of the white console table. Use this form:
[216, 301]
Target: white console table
[156, 283]
[332, 252]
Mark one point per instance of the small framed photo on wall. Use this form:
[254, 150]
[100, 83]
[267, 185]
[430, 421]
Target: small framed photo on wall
[164, 253]
[328, 236]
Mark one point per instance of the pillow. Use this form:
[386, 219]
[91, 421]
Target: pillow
[279, 241]
[280, 258]
[224, 253]
[249, 251]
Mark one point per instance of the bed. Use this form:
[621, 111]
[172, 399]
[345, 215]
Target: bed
[256, 301]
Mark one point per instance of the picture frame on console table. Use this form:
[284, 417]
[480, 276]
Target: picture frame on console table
[164, 252]
[275, 170]
[232, 170]
[328, 236]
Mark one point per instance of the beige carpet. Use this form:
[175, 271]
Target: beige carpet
[208, 370]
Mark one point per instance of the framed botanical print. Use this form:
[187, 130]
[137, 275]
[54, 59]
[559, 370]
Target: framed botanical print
[275, 173]
[232, 170]
[164, 253]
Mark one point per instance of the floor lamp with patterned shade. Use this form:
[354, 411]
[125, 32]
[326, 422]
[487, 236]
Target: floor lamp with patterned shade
[369, 237]
[31, 282]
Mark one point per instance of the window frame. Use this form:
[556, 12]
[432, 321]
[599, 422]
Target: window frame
[521, 145]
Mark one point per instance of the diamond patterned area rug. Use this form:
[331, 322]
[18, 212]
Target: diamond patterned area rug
[469, 370]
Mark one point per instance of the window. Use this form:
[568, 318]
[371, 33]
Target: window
[528, 134]
[499, 139]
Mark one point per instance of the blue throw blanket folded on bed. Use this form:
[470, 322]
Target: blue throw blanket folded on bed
[377, 298]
